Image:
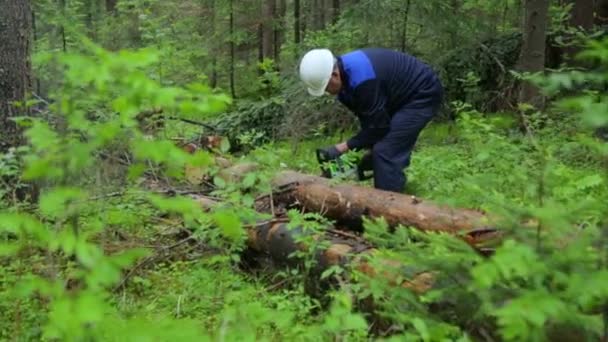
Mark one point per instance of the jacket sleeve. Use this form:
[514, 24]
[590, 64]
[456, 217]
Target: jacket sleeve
[369, 104]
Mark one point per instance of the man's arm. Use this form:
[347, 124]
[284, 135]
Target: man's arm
[369, 102]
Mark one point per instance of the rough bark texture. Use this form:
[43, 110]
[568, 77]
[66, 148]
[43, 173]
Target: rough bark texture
[268, 13]
[277, 240]
[232, 52]
[601, 13]
[15, 69]
[296, 22]
[335, 11]
[279, 29]
[532, 56]
[111, 5]
[581, 17]
[348, 203]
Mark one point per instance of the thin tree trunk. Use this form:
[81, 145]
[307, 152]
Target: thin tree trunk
[215, 49]
[61, 27]
[35, 36]
[406, 15]
[268, 15]
[315, 16]
[279, 30]
[321, 11]
[453, 34]
[15, 67]
[601, 13]
[111, 5]
[335, 11]
[304, 25]
[505, 14]
[90, 19]
[581, 17]
[297, 38]
[532, 56]
[232, 48]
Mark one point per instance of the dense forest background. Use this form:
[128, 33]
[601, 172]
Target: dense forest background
[115, 113]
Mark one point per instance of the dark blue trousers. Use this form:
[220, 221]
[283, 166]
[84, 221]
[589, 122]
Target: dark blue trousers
[392, 154]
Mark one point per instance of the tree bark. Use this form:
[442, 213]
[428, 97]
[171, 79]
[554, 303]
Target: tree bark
[15, 67]
[232, 52]
[35, 37]
[349, 203]
[581, 17]
[268, 14]
[279, 241]
[111, 5]
[336, 11]
[532, 56]
[582, 14]
[297, 38]
[279, 29]
[601, 13]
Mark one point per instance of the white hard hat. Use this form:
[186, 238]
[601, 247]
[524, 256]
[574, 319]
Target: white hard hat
[315, 70]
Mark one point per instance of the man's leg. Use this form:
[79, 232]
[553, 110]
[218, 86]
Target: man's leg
[391, 155]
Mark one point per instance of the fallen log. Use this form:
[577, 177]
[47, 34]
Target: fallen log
[350, 203]
[281, 242]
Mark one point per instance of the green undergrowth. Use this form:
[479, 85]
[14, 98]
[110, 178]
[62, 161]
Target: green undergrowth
[475, 158]
[83, 262]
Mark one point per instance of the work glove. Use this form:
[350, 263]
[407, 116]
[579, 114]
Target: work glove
[331, 152]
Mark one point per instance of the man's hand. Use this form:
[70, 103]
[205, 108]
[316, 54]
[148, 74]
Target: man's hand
[332, 152]
[342, 147]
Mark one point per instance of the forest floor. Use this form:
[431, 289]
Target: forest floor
[189, 282]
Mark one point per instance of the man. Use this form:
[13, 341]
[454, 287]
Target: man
[393, 94]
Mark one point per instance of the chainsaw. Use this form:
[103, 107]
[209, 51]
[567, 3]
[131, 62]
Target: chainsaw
[345, 167]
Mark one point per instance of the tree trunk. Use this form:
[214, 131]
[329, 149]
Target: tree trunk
[321, 10]
[315, 15]
[582, 14]
[304, 17]
[268, 14]
[297, 38]
[232, 48]
[349, 203]
[61, 28]
[278, 241]
[92, 8]
[215, 49]
[111, 5]
[335, 11]
[35, 37]
[15, 68]
[601, 13]
[581, 18]
[279, 30]
[532, 56]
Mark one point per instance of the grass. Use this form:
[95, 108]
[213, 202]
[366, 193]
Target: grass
[452, 164]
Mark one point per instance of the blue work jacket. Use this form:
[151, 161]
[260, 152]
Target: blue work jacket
[377, 83]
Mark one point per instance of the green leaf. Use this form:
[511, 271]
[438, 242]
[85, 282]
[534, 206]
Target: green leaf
[25, 224]
[421, 328]
[249, 180]
[60, 202]
[230, 224]
[225, 145]
[589, 182]
[219, 182]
